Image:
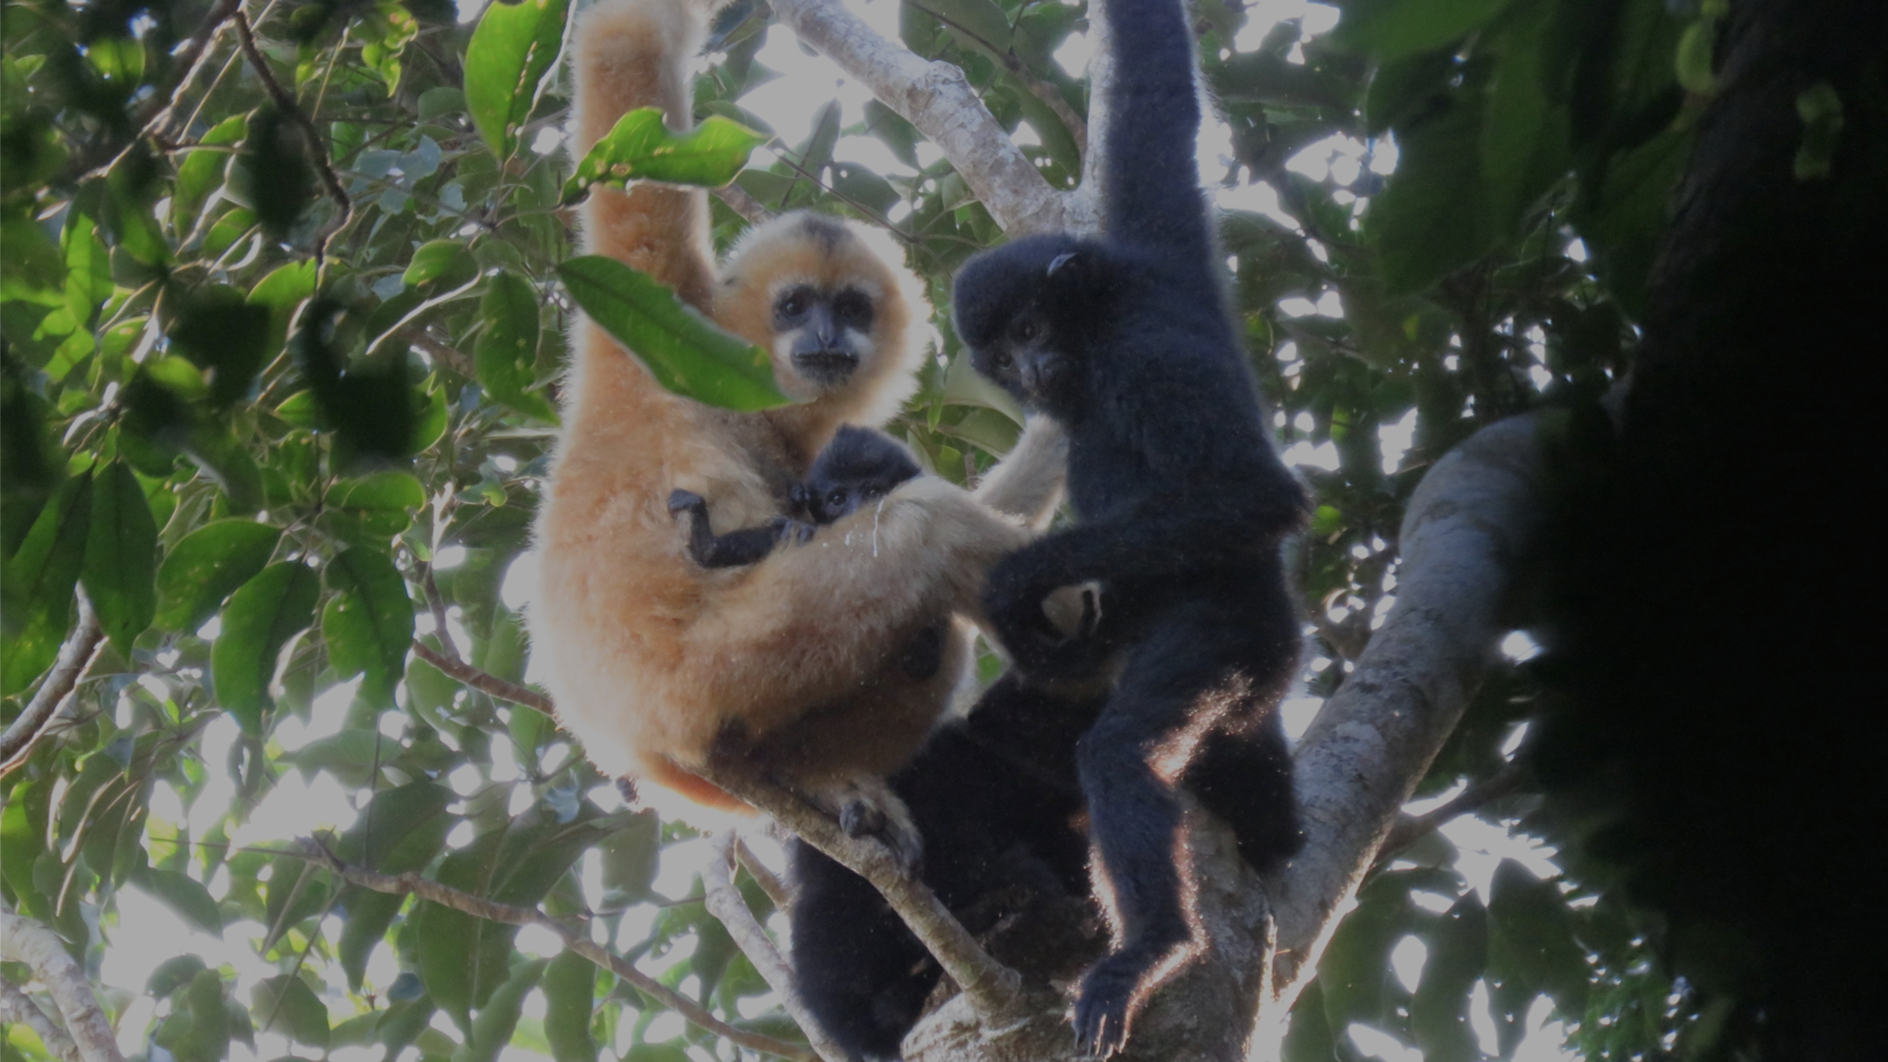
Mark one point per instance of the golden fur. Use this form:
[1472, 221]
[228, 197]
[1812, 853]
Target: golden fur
[652, 658]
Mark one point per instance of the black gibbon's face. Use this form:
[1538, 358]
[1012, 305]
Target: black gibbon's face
[1025, 359]
[828, 333]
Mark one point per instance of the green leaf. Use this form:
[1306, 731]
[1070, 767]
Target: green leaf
[570, 986]
[368, 624]
[352, 756]
[1308, 1039]
[287, 1005]
[201, 171]
[401, 829]
[506, 353]
[641, 148]
[380, 505]
[1429, 220]
[687, 353]
[206, 567]
[1458, 954]
[260, 619]
[39, 581]
[120, 568]
[512, 52]
[446, 264]
[198, 1029]
[492, 1029]
[88, 268]
[172, 974]
[1390, 29]
[1531, 939]
[182, 894]
[1525, 135]
[630, 858]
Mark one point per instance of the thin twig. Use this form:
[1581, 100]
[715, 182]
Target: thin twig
[992, 989]
[778, 147]
[1408, 831]
[483, 681]
[741, 203]
[81, 648]
[457, 360]
[24, 940]
[775, 889]
[17, 1008]
[285, 103]
[149, 118]
[577, 940]
[724, 901]
[1050, 96]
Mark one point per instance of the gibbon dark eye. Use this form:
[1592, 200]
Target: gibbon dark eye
[792, 304]
[837, 499]
[853, 308]
[1028, 331]
[1002, 360]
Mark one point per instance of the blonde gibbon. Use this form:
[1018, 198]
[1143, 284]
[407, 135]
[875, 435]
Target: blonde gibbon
[795, 662]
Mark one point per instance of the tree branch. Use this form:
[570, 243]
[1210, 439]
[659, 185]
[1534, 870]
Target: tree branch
[741, 203]
[936, 97]
[75, 658]
[1050, 96]
[16, 1007]
[412, 884]
[291, 110]
[1467, 526]
[775, 889]
[991, 987]
[483, 681]
[24, 940]
[725, 902]
[1408, 831]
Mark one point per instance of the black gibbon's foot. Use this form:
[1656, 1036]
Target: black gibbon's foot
[1102, 1010]
[626, 787]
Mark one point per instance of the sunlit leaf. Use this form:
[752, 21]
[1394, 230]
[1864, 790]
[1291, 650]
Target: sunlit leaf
[39, 581]
[512, 52]
[641, 147]
[506, 353]
[120, 567]
[260, 618]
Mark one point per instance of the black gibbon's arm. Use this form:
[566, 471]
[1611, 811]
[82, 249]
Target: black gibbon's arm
[732, 549]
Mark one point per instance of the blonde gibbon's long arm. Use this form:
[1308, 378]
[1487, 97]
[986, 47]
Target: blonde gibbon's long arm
[631, 54]
[1028, 482]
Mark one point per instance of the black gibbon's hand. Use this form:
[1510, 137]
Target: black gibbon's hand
[1018, 591]
[687, 503]
[792, 532]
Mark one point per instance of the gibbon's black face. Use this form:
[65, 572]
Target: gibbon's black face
[1020, 309]
[829, 331]
[856, 469]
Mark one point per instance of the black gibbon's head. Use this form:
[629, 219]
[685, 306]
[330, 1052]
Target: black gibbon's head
[828, 299]
[857, 468]
[1023, 310]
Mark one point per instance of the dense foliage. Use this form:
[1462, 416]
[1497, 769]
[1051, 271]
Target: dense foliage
[280, 357]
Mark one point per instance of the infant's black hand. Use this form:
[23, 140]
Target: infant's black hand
[687, 502]
[790, 531]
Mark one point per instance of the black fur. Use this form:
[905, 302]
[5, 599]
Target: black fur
[1183, 502]
[858, 466]
[996, 797]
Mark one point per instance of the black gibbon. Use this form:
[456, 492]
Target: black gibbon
[797, 663]
[997, 798]
[859, 466]
[1182, 502]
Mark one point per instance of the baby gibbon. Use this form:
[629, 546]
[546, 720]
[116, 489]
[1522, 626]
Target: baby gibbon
[794, 662]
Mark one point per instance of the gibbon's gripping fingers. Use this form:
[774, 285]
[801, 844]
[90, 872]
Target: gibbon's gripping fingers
[792, 532]
[801, 627]
[869, 808]
[1074, 611]
[630, 54]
